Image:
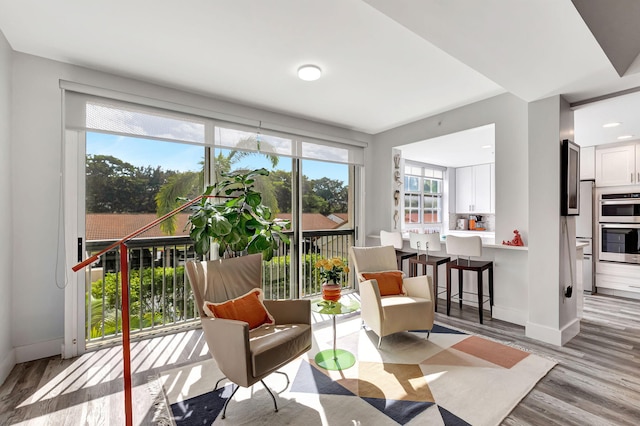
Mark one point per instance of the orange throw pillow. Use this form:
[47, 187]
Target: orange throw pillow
[389, 283]
[248, 308]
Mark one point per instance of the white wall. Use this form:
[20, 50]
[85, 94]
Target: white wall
[7, 357]
[527, 165]
[551, 318]
[509, 114]
[37, 301]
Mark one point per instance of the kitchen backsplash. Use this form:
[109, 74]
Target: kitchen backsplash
[487, 220]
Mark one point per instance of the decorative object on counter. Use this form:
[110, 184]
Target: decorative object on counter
[516, 241]
[396, 161]
[332, 272]
[396, 217]
[462, 224]
[472, 223]
[396, 197]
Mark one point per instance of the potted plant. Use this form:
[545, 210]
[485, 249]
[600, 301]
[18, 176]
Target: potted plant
[233, 216]
[332, 272]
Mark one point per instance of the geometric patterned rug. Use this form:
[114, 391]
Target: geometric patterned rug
[451, 378]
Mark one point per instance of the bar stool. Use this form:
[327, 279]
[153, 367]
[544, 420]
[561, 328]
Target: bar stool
[426, 242]
[395, 239]
[468, 246]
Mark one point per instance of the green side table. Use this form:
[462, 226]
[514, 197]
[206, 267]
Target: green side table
[334, 359]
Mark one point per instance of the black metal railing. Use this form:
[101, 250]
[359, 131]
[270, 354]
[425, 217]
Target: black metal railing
[160, 295]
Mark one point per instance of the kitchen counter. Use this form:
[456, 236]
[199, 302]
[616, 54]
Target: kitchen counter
[511, 283]
[488, 239]
[511, 280]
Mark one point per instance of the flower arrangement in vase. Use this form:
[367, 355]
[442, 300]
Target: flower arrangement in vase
[332, 272]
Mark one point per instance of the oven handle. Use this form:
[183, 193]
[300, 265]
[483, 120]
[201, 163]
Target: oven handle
[620, 201]
[620, 225]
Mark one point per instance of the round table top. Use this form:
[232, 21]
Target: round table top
[334, 308]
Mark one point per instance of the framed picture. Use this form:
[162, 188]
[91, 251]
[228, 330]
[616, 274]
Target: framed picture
[570, 179]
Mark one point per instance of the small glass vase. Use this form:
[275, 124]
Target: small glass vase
[331, 291]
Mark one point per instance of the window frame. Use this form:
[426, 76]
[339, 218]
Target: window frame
[427, 173]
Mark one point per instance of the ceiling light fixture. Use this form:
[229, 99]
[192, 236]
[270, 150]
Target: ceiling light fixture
[625, 137]
[309, 72]
[612, 124]
[486, 146]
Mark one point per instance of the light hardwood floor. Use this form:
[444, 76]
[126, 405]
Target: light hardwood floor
[596, 381]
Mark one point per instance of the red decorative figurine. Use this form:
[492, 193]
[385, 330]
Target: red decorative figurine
[517, 240]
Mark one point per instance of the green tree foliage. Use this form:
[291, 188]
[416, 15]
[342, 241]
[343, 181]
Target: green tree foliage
[115, 186]
[152, 298]
[281, 183]
[334, 192]
[168, 198]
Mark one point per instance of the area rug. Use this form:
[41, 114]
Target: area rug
[451, 378]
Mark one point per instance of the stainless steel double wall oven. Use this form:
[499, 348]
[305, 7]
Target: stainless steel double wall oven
[619, 226]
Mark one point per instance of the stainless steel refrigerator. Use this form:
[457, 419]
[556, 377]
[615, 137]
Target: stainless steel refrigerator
[584, 232]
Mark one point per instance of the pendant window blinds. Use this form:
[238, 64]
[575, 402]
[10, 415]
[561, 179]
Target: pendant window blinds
[100, 114]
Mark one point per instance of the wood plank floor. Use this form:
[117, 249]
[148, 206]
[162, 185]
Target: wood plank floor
[596, 381]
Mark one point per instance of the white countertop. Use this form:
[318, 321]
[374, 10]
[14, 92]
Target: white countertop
[488, 239]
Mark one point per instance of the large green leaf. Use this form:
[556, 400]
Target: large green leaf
[220, 225]
[202, 245]
[254, 199]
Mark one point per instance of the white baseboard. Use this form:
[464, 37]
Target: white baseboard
[570, 330]
[551, 335]
[543, 333]
[6, 365]
[511, 315]
[38, 350]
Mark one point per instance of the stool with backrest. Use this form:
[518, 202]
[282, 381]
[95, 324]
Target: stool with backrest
[469, 247]
[424, 243]
[394, 239]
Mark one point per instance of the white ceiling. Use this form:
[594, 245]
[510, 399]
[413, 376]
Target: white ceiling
[385, 62]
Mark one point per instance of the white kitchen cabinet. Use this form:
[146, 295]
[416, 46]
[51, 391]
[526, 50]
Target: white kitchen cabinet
[617, 165]
[587, 163]
[473, 189]
[464, 189]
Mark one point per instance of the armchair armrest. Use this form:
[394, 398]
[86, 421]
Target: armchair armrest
[228, 342]
[420, 286]
[370, 305]
[296, 311]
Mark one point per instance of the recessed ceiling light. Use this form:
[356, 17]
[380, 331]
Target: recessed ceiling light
[309, 72]
[625, 137]
[486, 146]
[612, 124]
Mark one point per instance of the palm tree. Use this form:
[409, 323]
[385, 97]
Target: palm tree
[190, 184]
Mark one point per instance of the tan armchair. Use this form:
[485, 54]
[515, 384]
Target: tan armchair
[247, 356]
[390, 314]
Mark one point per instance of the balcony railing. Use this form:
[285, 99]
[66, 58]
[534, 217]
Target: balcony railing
[160, 295]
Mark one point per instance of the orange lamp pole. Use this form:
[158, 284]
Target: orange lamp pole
[126, 342]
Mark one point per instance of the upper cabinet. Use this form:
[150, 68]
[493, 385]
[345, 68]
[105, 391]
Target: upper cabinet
[587, 163]
[618, 165]
[474, 189]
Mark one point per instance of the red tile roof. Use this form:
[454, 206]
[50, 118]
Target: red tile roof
[113, 226]
[312, 221]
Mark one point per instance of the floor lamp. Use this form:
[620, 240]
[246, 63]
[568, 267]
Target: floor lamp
[124, 274]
